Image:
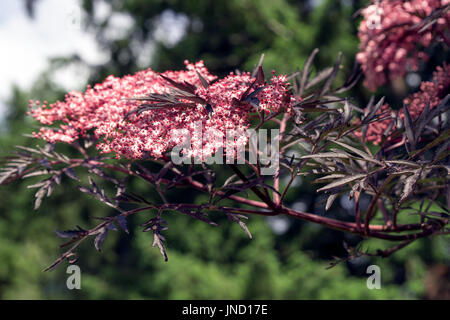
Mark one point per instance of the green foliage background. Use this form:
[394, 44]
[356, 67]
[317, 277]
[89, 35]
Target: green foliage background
[205, 262]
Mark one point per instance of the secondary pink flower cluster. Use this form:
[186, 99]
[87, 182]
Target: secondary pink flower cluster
[102, 109]
[430, 92]
[388, 43]
[376, 130]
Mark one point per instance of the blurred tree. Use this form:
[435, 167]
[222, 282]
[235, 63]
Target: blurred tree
[285, 259]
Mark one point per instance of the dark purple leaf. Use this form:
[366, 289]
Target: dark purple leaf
[238, 219]
[71, 174]
[69, 233]
[260, 80]
[204, 82]
[305, 71]
[122, 221]
[181, 86]
[409, 129]
[100, 238]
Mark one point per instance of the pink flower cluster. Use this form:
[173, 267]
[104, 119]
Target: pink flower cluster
[102, 109]
[430, 92]
[376, 130]
[388, 43]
